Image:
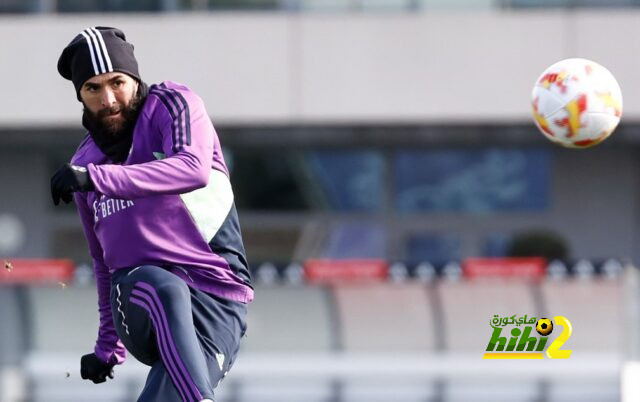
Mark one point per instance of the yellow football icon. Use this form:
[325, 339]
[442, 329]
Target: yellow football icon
[544, 326]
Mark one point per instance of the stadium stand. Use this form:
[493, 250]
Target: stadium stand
[352, 342]
[468, 306]
[472, 304]
[379, 317]
[286, 321]
[290, 319]
[597, 330]
[604, 298]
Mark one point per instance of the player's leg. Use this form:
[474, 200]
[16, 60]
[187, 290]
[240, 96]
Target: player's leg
[220, 325]
[156, 296]
[133, 324]
[159, 387]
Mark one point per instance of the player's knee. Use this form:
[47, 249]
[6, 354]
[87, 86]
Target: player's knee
[173, 290]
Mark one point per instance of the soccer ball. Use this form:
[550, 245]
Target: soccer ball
[577, 103]
[544, 326]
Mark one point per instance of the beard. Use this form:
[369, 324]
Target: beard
[101, 122]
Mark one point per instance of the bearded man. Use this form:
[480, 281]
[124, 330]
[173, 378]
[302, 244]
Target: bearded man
[153, 193]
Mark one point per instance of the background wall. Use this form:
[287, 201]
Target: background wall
[330, 68]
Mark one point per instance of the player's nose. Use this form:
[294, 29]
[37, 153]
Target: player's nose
[108, 98]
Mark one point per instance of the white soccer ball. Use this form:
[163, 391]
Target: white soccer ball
[577, 103]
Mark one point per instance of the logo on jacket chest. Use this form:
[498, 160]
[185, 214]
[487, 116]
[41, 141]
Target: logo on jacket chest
[105, 207]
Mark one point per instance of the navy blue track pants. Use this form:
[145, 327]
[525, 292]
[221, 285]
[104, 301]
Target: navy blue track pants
[189, 338]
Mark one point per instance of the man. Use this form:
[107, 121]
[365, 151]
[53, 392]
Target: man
[153, 193]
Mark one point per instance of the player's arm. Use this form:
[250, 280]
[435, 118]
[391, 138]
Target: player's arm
[187, 141]
[108, 348]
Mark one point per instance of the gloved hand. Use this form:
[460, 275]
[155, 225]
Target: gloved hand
[94, 369]
[67, 180]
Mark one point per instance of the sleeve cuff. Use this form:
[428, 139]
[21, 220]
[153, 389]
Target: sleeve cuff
[117, 356]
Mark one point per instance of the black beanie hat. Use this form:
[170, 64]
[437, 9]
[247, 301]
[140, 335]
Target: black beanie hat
[96, 51]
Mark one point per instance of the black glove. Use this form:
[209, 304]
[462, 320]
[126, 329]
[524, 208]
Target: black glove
[67, 180]
[94, 369]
